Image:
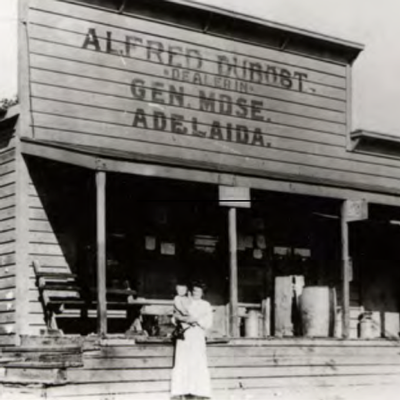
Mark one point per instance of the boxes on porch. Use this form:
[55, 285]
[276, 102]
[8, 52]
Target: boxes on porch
[286, 304]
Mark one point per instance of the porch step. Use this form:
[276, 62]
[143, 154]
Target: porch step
[85, 343]
[32, 352]
[33, 375]
[41, 365]
[7, 359]
[54, 339]
[42, 353]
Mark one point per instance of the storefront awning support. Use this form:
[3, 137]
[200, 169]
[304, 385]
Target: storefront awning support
[352, 210]
[233, 272]
[101, 252]
[345, 273]
[233, 197]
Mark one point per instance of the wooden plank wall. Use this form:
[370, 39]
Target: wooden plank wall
[7, 240]
[256, 371]
[99, 78]
[44, 246]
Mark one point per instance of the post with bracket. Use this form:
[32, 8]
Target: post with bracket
[352, 210]
[233, 198]
[101, 252]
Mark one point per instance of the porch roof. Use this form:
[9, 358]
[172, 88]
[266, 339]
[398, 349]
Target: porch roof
[8, 118]
[100, 159]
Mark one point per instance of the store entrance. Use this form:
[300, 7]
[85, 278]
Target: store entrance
[161, 231]
[285, 243]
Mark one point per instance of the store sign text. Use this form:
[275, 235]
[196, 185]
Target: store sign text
[207, 101]
[192, 61]
[190, 82]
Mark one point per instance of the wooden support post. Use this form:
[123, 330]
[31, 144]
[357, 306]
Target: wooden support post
[233, 298]
[233, 197]
[345, 273]
[101, 253]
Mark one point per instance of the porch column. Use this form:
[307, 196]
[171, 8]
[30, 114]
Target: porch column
[345, 273]
[233, 197]
[101, 252]
[352, 211]
[233, 275]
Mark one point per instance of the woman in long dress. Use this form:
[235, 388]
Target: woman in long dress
[190, 375]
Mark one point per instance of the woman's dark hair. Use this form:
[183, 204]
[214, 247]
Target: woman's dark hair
[199, 284]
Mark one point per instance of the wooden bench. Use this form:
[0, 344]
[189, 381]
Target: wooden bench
[61, 292]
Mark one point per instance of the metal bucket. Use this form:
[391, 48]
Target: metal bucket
[251, 327]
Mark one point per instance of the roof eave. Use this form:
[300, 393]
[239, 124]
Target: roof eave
[353, 48]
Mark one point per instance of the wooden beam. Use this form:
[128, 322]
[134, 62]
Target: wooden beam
[345, 272]
[101, 252]
[23, 127]
[24, 90]
[23, 306]
[55, 153]
[233, 275]
[349, 108]
[372, 194]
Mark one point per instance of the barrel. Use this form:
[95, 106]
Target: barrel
[251, 327]
[315, 311]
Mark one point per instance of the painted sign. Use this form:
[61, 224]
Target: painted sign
[181, 96]
[232, 196]
[356, 210]
[129, 84]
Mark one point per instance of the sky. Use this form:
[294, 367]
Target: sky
[374, 23]
[8, 46]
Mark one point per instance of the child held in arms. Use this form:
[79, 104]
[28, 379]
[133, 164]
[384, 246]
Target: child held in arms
[182, 303]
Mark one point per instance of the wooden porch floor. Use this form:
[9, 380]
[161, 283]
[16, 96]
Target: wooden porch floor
[250, 369]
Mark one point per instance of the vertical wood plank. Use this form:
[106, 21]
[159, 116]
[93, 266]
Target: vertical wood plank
[349, 106]
[22, 246]
[345, 273]
[233, 274]
[283, 325]
[266, 312]
[24, 95]
[23, 128]
[101, 252]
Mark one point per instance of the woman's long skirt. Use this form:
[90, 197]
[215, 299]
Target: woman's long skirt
[190, 374]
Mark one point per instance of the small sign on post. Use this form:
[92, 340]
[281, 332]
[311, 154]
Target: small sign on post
[356, 210]
[232, 196]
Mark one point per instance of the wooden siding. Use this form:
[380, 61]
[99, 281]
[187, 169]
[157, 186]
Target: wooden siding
[7, 243]
[254, 370]
[84, 63]
[44, 247]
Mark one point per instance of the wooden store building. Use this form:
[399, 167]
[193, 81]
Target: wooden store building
[182, 141]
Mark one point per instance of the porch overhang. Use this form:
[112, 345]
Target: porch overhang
[375, 143]
[8, 118]
[165, 167]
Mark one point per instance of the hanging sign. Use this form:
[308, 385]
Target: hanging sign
[356, 210]
[232, 196]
